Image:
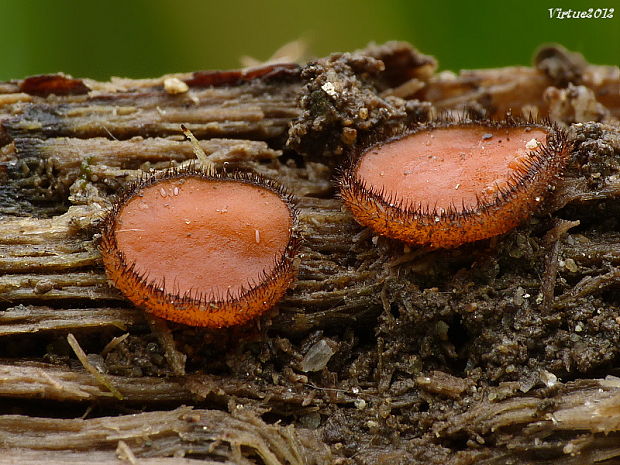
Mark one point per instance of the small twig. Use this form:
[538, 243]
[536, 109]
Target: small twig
[553, 237]
[588, 285]
[123, 452]
[160, 329]
[110, 346]
[207, 165]
[82, 357]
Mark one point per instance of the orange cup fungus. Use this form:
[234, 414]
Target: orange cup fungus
[448, 183]
[201, 248]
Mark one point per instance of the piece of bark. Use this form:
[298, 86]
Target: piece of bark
[185, 432]
[44, 381]
[30, 380]
[571, 423]
[58, 167]
[585, 410]
[249, 109]
[27, 319]
[519, 90]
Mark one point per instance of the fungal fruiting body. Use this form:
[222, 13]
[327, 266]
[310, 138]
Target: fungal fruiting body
[201, 249]
[449, 183]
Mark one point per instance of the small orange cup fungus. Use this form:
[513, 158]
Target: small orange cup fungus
[448, 183]
[200, 248]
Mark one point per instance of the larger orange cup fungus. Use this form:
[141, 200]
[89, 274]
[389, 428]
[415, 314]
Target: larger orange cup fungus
[448, 183]
[201, 248]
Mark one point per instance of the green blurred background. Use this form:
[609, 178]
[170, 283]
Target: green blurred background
[143, 38]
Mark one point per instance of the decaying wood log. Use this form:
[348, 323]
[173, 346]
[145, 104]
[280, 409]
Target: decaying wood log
[379, 352]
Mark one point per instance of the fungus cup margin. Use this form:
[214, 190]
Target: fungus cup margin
[200, 309]
[423, 225]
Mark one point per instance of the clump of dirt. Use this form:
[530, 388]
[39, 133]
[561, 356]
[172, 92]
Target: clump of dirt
[342, 104]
